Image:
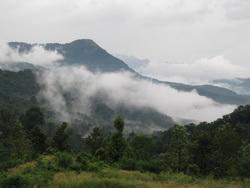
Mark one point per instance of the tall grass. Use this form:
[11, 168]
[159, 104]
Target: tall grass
[110, 178]
[53, 171]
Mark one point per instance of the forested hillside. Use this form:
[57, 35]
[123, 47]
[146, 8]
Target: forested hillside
[220, 149]
[19, 91]
[88, 53]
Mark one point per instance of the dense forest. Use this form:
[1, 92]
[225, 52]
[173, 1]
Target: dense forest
[220, 149]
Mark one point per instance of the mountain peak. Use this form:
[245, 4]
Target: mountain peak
[84, 42]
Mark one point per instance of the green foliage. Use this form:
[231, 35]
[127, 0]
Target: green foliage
[15, 181]
[119, 124]
[64, 160]
[95, 142]
[219, 149]
[39, 140]
[154, 166]
[89, 163]
[33, 117]
[142, 147]
[177, 154]
[61, 138]
[116, 143]
[244, 161]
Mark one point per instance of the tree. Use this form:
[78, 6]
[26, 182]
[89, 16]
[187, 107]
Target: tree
[38, 139]
[177, 154]
[14, 141]
[33, 117]
[95, 141]
[244, 161]
[202, 152]
[117, 143]
[226, 145]
[7, 121]
[119, 124]
[61, 137]
[142, 146]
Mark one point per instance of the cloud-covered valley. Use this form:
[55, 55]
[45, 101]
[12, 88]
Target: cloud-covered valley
[124, 88]
[37, 55]
[115, 88]
[201, 71]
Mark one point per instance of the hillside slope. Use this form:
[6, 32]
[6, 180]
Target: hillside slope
[19, 91]
[86, 52]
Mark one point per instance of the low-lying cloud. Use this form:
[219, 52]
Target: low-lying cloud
[122, 88]
[201, 71]
[38, 55]
[61, 84]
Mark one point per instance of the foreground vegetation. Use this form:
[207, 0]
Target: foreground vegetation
[61, 171]
[35, 152]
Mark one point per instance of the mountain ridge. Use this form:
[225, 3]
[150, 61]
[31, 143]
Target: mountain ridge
[88, 53]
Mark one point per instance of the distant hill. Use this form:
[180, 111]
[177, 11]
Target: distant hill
[81, 52]
[19, 91]
[86, 52]
[239, 85]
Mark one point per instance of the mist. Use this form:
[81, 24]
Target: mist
[37, 56]
[201, 71]
[122, 88]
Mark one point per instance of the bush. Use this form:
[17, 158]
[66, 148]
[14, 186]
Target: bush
[64, 160]
[89, 163]
[150, 166]
[107, 183]
[10, 163]
[130, 164]
[47, 163]
[15, 181]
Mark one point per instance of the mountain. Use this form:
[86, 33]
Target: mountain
[133, 62]
[239, 85]
[81, 52]
[19, 91]
[86, 52]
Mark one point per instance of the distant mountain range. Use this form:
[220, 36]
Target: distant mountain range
[86, 52]
[81, 52]
[239, 85]
[19, 90]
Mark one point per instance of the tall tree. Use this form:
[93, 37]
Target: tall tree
[95, 141]
[244, 161]
[38, 139]
[61, 138]
[33, 117]
[117, 142]
[177, 154]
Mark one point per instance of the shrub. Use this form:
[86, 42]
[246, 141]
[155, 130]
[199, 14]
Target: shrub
[15, 181]
[47, 163]
[64, 160]
[150, 166]
[130, 164]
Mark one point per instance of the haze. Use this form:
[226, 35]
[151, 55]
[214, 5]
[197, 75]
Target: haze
[176, 30]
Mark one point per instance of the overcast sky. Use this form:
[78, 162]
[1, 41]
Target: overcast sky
[182, 31]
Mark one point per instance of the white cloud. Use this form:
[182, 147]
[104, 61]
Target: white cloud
[36, 56]
[179, 30]
[123, 88]
[200, 71]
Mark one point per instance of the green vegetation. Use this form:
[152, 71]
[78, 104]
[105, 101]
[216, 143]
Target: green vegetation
[213, 154]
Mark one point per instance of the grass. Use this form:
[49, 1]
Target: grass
[46, 172]
[112, 178]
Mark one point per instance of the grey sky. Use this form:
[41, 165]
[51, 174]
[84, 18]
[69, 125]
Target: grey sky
[161, 30]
